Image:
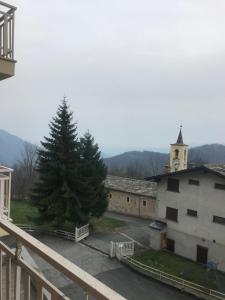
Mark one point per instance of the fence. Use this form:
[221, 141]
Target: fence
[7, 30]
[121, 249]
[17, 276]
[81, 233]
[65, 234]
[176, 281]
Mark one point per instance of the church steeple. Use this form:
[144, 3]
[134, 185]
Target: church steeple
[178, 154]
[180, 137]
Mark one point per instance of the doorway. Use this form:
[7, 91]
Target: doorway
[202, 254]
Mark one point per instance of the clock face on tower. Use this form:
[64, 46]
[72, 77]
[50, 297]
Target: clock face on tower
[176, 163]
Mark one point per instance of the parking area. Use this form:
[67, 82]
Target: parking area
[110, 271]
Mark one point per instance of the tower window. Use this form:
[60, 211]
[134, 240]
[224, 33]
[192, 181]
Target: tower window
[185, 154]
[144, 203]
[176, 153]
[128, 199]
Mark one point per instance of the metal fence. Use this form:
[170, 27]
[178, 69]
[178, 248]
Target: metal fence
[7, 20]
[175, 280]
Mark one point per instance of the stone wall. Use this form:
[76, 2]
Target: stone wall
[131, 204]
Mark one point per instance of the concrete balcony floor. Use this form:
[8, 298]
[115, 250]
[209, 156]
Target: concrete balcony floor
[7, 68]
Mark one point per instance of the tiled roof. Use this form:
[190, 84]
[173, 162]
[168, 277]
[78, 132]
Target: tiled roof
[134, 186]
[217, 169]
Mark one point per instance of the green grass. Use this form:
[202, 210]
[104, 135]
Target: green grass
[105, 224]
[22, 211]
[179, 266]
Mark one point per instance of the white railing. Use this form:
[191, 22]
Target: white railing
[121, 249]
[12, 266]
[175, 280]
[7, 20]
[81, 233]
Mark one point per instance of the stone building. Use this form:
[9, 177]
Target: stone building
[190, 214]
[131, 196]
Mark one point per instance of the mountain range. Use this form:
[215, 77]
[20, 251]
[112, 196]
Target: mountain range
[11, 147]
[141, 164]
[131, 163]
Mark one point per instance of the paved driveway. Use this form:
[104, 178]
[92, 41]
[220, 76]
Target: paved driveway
[120, 278]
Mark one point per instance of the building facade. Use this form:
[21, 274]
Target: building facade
[131, 197]
[190, 214]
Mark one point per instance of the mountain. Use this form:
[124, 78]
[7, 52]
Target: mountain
[141, 164]
[11, 147]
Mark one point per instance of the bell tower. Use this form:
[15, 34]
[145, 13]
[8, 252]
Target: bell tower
[178, 154]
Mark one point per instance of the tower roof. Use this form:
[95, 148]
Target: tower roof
[180, 137]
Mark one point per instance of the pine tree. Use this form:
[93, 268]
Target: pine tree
[56, 193]
[93, 173]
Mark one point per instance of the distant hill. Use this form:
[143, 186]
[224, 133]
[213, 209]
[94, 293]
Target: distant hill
[132, 164]
[11, 147]
[140, 164]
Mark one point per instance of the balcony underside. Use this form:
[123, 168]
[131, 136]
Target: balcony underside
[7, 68]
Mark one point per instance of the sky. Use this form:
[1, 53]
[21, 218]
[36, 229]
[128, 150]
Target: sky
[132, 70]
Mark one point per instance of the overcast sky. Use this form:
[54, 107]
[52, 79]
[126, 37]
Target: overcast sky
[132, 70]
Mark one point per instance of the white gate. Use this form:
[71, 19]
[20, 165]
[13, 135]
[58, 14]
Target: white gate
[121, 249]
[81, 233]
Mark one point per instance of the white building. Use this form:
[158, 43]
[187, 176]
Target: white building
[190, 209]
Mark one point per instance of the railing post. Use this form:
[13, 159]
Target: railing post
[5, 36]
[8, 278]
[17, 270]
[26, 286]
[1, 277]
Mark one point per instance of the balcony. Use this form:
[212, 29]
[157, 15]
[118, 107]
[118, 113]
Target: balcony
[5, 191]
[20, 280]
[7, 62]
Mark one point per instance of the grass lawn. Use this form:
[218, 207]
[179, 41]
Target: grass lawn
[105, 224]
[179, 266]
[22, 211]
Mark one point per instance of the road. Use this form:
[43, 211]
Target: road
[128, 283]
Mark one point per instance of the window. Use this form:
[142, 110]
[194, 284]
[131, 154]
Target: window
[110, 195]
[171, 213]
[193, 182]
[219, 186]
[219, 220]
[176, 152]
[144, 203]
[170, 245]
[192, 213]
[173, 185]
[128, 199]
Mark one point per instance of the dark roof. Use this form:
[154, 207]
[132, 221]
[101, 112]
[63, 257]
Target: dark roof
[130, 185]
[180, 138]
[217, 169]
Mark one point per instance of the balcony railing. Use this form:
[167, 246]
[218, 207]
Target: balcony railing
[19, 279]
[7, 19]
[5, 192]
